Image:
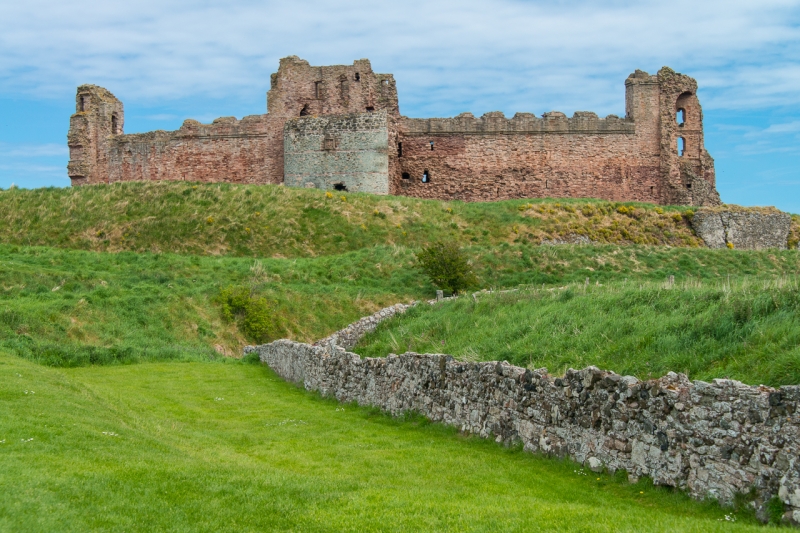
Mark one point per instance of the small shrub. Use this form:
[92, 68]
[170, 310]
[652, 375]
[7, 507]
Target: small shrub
[251, 313]
[446, 266]
[729, 245]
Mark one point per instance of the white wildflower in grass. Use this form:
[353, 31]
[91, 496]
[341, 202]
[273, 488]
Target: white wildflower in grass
[3, 441]
[29, 392]
[218, 399]
[339, 409]
[110, 434]
[26, 440]
[292, 422]
[728, 518]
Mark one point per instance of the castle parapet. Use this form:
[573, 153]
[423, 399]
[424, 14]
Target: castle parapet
[582, 122]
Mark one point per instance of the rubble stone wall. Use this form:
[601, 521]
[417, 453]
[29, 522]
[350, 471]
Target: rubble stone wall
[709, 439]
[351, 151]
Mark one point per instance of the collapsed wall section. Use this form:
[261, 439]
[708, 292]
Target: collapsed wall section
[343, 152]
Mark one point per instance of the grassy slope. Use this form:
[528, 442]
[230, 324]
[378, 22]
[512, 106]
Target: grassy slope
[274, 221]
[229, 447]
[748, 331]
[74, 307]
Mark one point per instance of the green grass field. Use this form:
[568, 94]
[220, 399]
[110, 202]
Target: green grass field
[748, 329]
[95, 279]
[230, 447]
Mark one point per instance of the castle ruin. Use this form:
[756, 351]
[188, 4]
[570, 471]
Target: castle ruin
[340, 127]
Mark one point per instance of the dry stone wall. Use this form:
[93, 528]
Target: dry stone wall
[710, 439]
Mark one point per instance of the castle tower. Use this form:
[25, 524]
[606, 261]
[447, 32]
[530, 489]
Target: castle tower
[98, 117]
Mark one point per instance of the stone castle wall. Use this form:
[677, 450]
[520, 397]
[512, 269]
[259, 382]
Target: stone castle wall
[350, 152]
[710, 439]
[634, 158]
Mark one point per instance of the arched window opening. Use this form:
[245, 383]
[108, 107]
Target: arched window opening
[114, 125]
[680, 116]
[304, 112]
[406, 176]
[426, 177]
[399, 149]
[358, 76]
[339, 187]
[681, 146]
[431, 146]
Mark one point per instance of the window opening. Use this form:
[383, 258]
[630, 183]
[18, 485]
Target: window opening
[431, 146]
[426, 177]
[399, 149]
[384, 82]
[688, 185]
[83, 101]
[545, 184]
[406, 176]
[114, 124]
[370, 109]
[358, 76]
[304, 112]
[651, 189]
[681, 146]
[340, 186]
[680, 117]
[316, 89]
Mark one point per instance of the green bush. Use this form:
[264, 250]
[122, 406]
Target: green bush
[251, 313]
[446, 266]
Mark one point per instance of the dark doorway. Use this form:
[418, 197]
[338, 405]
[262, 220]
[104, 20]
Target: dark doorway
[339, 187]
[406, 176]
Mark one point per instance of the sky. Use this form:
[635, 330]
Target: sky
[168, 60]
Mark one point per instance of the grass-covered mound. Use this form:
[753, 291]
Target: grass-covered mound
[67, 308]
[215, 447]
[276, 221]
[747, 329]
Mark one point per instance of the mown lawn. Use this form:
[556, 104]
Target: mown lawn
[231, 447]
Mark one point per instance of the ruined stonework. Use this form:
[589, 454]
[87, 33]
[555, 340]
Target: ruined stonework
[710, 439]
[347, 152]
[741, 228]
[314, 135]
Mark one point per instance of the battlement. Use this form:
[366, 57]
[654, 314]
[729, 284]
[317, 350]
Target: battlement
[584, 122]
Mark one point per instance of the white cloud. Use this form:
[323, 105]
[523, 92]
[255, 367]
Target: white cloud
[448, 55]
[8, 150]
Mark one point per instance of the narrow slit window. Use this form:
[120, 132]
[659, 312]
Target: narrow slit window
[546, 184]
[426, 177]
[114, 124]
[83, 100]
[680, 117]
[681, 146]
[399, 149]
[431, 146]
[316, 88]
[358, 76]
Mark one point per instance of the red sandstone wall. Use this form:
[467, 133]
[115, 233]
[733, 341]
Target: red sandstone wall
[495, 167]
[228, 150]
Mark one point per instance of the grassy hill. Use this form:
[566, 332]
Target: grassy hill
[223, 447]
[275, 221]
[748, 329]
